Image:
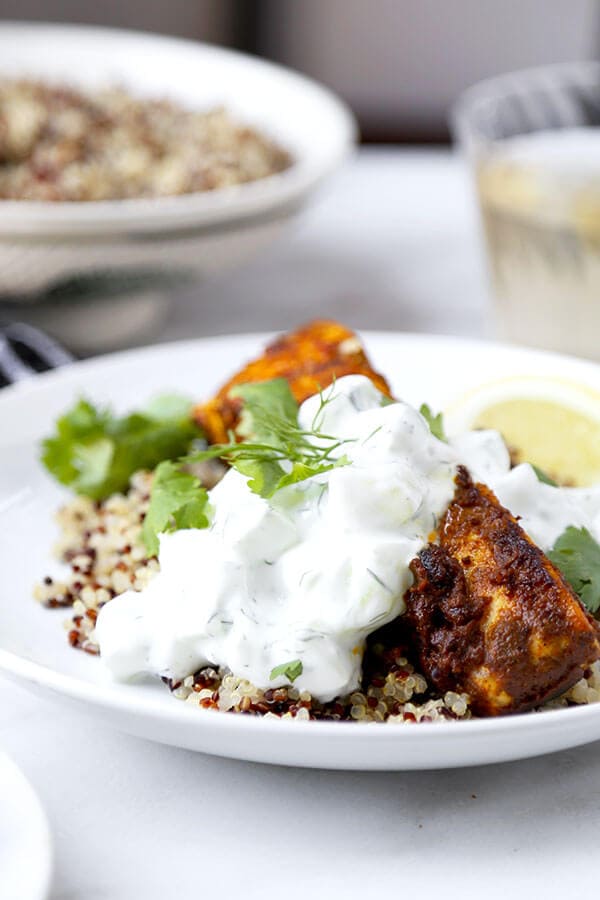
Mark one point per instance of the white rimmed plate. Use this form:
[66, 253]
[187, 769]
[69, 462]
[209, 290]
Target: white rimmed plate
[33, 649]
[25, 846]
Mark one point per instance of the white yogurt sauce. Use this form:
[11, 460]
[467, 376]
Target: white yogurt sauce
[308, 574]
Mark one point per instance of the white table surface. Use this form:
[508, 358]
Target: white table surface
[390, 243]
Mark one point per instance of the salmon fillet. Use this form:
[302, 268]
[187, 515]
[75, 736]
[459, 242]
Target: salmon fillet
[492, 616]
[309, 358]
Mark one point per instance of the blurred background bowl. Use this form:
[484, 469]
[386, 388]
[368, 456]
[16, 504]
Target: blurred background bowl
[59, 259]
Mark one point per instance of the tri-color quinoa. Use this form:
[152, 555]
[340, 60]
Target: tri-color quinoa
[62, 144]
[100, 544]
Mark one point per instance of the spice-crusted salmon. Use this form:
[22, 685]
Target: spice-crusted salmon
[309, 358]
[491, 614]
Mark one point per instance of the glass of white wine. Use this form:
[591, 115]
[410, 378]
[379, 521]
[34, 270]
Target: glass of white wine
[533, 139]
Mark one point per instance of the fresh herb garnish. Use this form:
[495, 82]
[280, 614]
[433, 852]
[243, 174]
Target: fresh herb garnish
[541, 476]
[178, 501]
[95, 452]
[435, 422]
[577, 555]
[279, 454]
[290, 670]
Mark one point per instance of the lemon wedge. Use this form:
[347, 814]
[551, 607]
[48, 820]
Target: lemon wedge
[550, 422]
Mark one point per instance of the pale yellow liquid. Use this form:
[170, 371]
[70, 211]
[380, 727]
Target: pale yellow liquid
[542, 227]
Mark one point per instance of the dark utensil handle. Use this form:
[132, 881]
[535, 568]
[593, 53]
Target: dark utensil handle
[25, 350]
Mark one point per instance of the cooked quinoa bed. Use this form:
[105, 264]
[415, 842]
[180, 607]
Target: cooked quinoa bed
[100, 544]
[60, 144]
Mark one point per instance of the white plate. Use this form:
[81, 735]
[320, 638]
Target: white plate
[25, 847]
[33, 649]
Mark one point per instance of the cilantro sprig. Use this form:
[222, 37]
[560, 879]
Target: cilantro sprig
[95, 452]
[577, 555]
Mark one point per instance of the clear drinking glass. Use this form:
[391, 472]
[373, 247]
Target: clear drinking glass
[533, 139]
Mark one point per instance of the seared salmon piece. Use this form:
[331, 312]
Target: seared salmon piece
[309, 358]
[492, 616]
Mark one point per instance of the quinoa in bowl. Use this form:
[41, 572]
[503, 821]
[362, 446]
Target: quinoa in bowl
[58, 143]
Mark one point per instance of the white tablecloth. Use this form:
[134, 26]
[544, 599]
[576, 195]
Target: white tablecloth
[390, 243]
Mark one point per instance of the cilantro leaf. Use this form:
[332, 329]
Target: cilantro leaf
[290, 670]
[264, 475]
[95, 452]
[541, 476]
[577, 555]
[178, 501]
[267, 404]
[300, 471]
[82, 422]
[435, 422]
[267, 477]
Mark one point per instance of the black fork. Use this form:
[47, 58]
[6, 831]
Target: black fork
[25, 351]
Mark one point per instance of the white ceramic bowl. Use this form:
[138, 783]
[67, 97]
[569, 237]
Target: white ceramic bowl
[41, 243]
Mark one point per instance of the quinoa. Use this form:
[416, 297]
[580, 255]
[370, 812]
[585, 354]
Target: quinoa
[61, 144]
[100, 543]
[397, 694]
